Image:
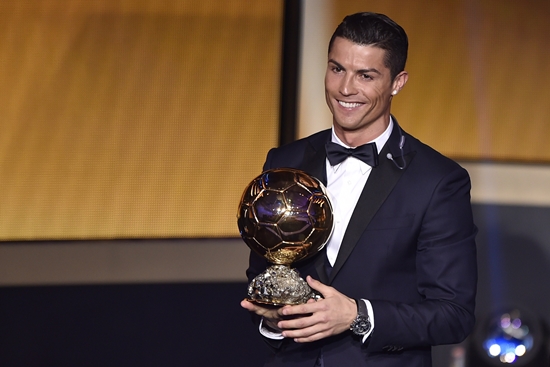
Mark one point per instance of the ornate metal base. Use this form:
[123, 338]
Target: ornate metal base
[280, 285]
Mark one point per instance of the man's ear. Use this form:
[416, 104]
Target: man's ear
[399, 82]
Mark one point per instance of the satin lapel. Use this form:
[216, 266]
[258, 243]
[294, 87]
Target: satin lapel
[315, 160]
[314, 163]
[381, 182]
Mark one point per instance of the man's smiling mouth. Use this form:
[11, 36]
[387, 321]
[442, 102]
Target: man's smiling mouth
[349, 104]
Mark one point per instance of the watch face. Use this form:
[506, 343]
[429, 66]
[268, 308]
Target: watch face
[361, 325]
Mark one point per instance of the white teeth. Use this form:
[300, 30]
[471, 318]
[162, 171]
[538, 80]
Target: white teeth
[349, 104]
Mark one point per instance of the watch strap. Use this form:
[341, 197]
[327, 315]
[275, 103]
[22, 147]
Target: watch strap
[361, 308]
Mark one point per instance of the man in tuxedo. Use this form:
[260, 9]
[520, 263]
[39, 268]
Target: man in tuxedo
[398, 274]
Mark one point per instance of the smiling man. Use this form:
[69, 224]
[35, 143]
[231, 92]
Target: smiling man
[399, 272]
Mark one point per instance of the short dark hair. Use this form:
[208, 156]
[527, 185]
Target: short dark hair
[376, 30]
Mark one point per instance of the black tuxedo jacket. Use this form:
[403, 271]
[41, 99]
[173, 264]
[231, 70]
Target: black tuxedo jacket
[409, 249]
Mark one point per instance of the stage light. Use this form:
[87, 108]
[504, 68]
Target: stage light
[511, 336]
[508, 338]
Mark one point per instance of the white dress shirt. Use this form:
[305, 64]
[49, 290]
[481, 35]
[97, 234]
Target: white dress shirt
[345, 182]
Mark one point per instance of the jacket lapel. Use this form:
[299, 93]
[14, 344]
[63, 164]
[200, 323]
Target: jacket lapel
[314, 163]
[379, 185]
[314, 160]
[381, 182]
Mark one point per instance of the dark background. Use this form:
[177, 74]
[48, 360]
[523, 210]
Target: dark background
[202, 324]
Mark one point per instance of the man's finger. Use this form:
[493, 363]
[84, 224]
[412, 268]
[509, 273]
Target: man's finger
[318, 286]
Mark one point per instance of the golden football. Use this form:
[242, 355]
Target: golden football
[285, 215]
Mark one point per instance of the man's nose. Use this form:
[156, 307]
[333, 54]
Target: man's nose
[347, 86]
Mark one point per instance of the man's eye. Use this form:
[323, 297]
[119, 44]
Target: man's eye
[336, 69]
[366, 76]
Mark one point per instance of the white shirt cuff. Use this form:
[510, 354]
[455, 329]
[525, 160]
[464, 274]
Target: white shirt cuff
[371, 319]
[268, 333]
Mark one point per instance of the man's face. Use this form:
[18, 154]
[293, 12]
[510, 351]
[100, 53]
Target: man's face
[358, 90]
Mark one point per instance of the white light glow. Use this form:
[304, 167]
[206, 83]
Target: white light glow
[509, 357]
[520, 350]
[494, 350]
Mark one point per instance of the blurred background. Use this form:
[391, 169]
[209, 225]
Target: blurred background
[129, 128]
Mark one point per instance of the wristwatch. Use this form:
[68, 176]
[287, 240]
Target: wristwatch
[361, 325]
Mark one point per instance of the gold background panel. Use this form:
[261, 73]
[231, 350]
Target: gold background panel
[133, 119]
[479, 82]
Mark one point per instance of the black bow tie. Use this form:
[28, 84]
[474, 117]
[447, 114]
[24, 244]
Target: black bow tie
[367, 153]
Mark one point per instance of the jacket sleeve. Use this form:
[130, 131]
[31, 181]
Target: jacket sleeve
[446, 271]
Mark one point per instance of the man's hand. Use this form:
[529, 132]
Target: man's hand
[270, 314]
[314, 320]
[331, 315]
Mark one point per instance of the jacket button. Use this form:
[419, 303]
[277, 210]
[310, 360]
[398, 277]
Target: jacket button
[392, 348]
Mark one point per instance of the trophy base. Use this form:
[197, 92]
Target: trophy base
[280, 285]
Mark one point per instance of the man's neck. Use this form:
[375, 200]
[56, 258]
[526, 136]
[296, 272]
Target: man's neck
[354, 138]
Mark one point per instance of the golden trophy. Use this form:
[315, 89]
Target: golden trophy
[285, 216]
